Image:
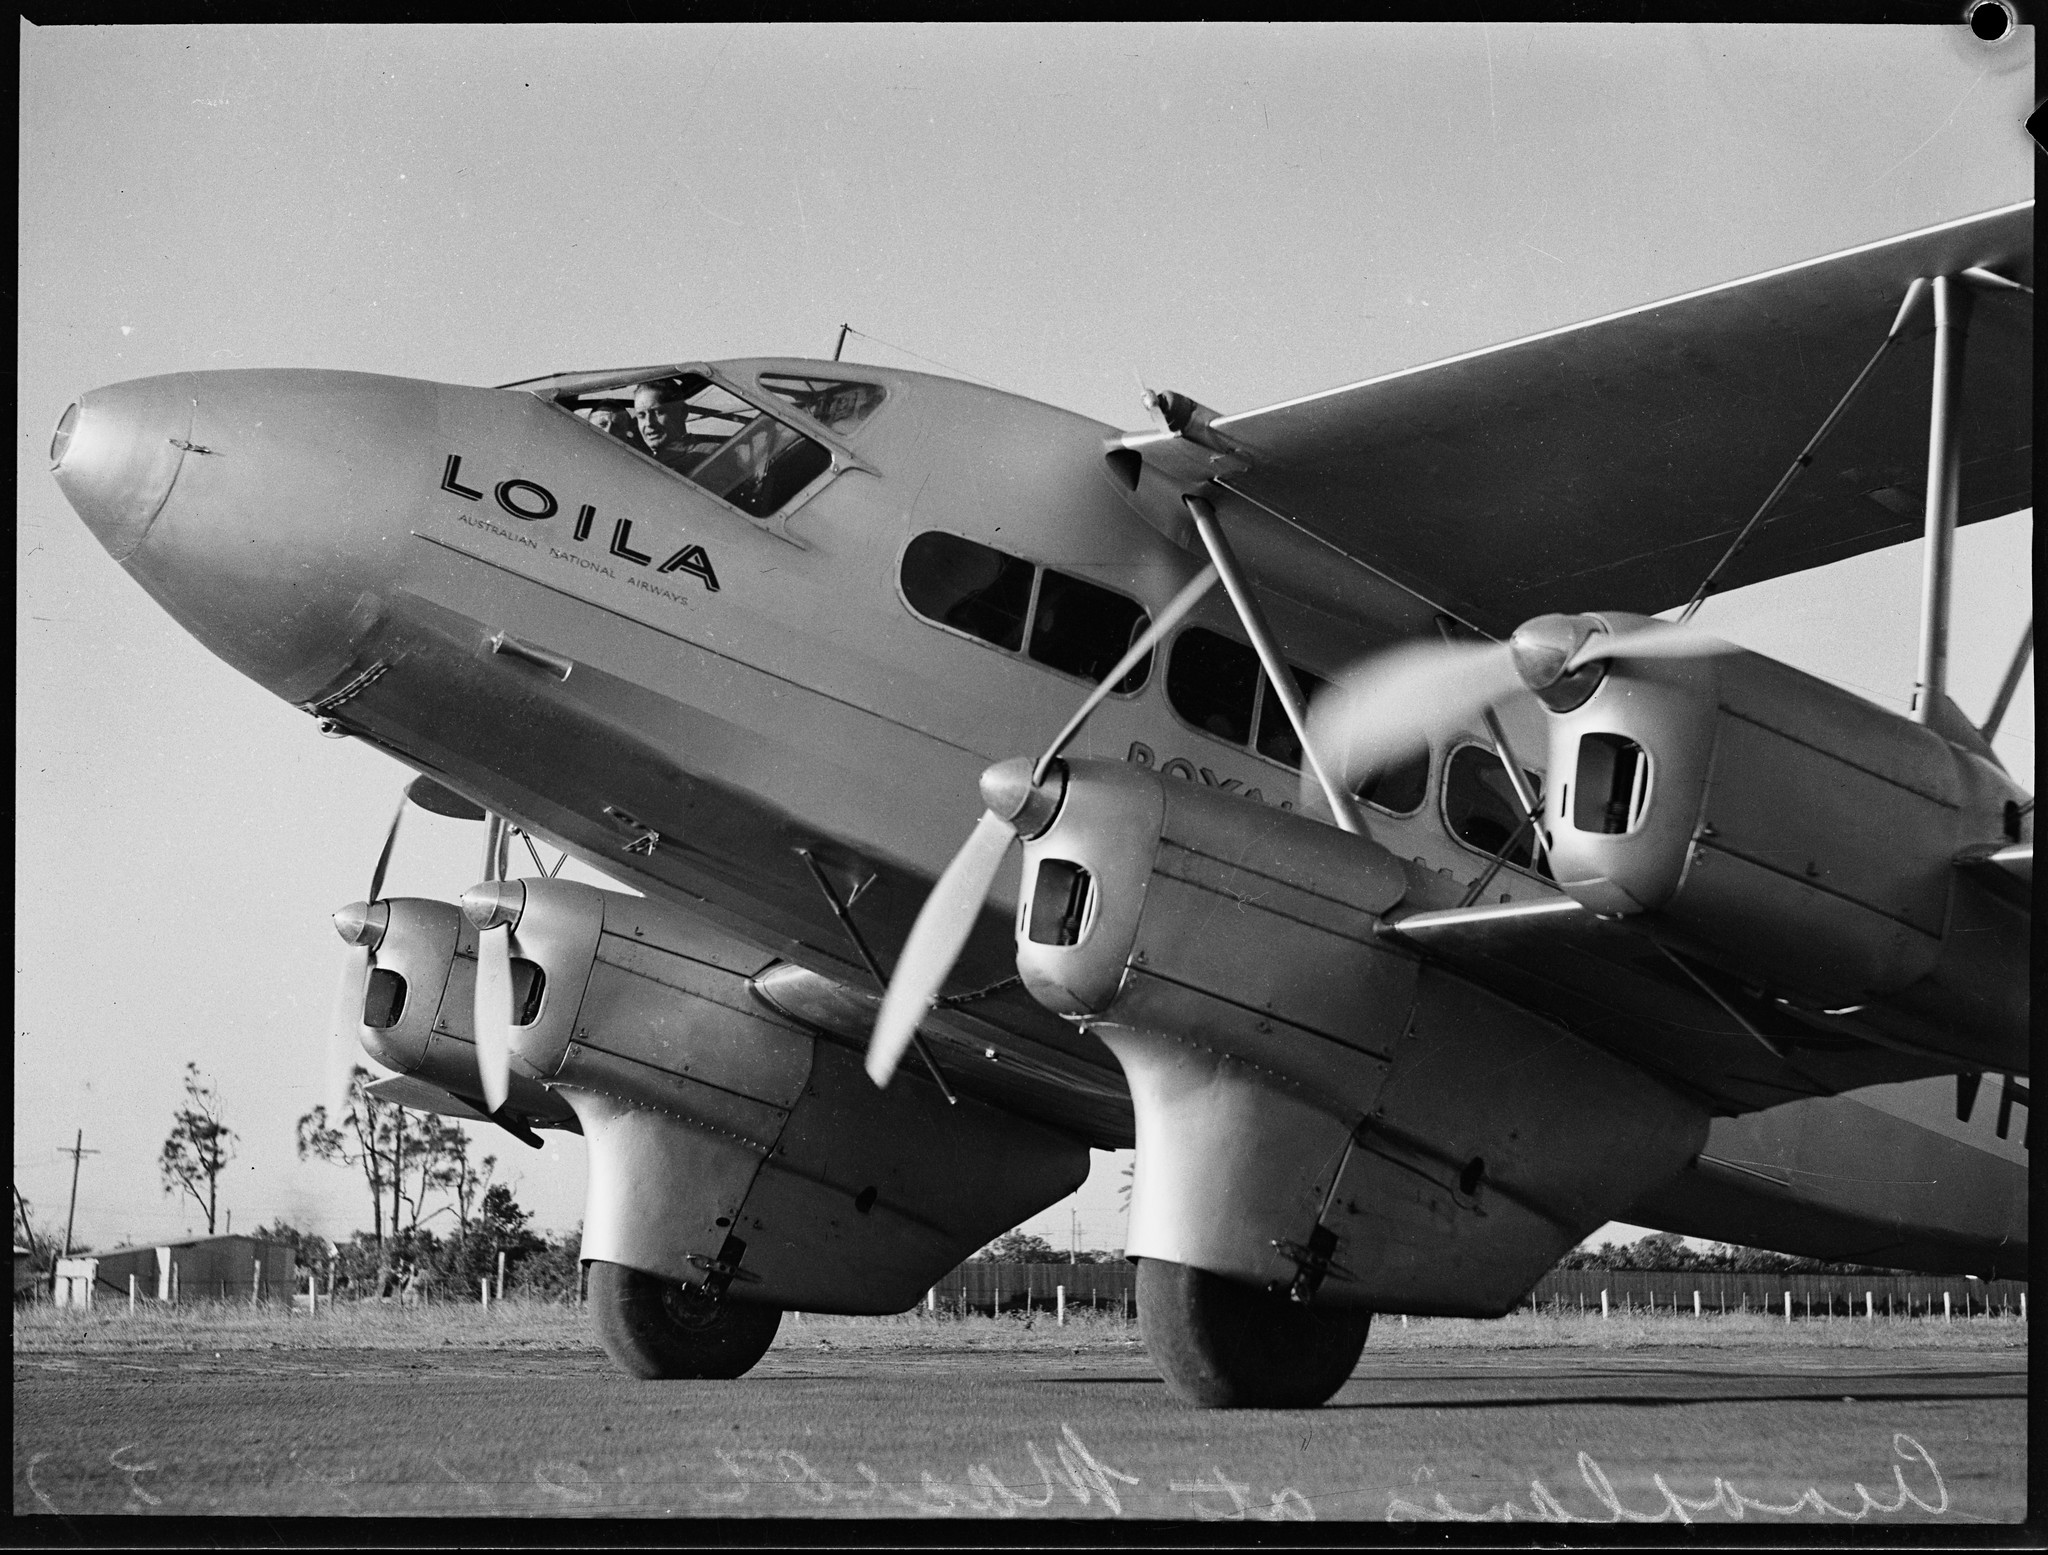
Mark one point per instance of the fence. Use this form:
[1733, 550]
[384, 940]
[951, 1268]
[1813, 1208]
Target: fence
[1813, 1295]
[989, 1288]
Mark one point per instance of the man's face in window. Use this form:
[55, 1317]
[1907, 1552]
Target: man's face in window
[659, 419]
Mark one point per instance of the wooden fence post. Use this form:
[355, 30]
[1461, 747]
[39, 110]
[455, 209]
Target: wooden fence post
[1059, 1295]
[131, 1293]
[1603, 1304]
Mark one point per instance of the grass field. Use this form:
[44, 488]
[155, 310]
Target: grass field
[514, 1324]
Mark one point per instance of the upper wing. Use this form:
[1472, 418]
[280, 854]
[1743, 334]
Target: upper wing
[1607, 465]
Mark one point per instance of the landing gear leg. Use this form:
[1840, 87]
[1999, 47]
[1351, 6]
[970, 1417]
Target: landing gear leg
[1222, 1345]
[657, 1329]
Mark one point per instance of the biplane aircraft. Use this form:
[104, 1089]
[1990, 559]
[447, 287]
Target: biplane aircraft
[1414, 902]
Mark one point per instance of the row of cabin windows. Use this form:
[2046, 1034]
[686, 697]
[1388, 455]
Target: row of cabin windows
[1218, 686]
[1059, 620]
[1212, 681]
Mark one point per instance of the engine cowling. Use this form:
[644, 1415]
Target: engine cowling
[1316, 1112]
[1800, 836]
[730, 1146]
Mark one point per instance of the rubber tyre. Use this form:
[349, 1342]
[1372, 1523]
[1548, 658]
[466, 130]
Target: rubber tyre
[662, 1331]
[1222, 1345]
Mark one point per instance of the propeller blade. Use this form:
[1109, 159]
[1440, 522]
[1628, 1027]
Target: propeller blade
[494, 1014]
[1396, 702]
[384, 855]
[935, 942]
[1665, 640]
[343, 1046]
[1148, 639]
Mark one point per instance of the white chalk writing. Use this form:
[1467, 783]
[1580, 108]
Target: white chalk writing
[1544, 1507]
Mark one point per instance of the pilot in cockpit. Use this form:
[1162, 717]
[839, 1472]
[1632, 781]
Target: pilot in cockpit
[662, 415]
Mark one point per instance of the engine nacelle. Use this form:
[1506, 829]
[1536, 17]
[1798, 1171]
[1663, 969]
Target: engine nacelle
[1803, 837]
[418, 1008]
[1315, 1111]
[729, 1145]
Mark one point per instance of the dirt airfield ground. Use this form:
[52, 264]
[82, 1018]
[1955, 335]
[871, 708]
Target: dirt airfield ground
[455, 1411]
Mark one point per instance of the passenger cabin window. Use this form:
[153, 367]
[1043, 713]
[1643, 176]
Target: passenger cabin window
[1213, 683]
[1064, 622]
[713, 438]
[830, 402]
[1400, 788]
[1216, 684]
[1480, 806]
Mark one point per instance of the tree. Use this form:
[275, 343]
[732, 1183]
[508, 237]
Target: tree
[500, 1225]
[465, 1182]
[46, 1246]
[199, 1147]
[1019, 1247]
[359, 1138]
[390, 1149]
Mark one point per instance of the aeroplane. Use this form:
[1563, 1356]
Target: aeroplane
[1408, 895]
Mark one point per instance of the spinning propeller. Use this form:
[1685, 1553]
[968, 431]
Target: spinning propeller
[362, 926]
[494, 907]
[1398, 702]
[1020, 804]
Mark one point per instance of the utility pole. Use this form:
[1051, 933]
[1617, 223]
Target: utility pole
[77, 1152]
[1073, 1236]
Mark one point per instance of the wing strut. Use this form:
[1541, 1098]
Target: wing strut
[1944, 487]
[2010, 684]
[867, 956]
[1798, 467]
[1278, 676]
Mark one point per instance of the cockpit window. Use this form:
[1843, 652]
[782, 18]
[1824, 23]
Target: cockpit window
[831, 402]
[711, 437]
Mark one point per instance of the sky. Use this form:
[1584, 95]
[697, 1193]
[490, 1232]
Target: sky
[1241, 213]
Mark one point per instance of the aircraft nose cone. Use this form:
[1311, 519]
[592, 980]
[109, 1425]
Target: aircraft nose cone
[116, 453]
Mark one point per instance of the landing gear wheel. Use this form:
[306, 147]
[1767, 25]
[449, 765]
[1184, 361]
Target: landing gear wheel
[1222, 1345]
[658, 1329]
